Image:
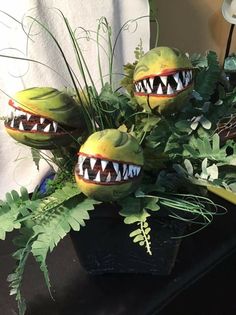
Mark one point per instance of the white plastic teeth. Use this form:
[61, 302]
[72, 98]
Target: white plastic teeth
[169, 90]
[20, 120]
[179, 86]
[176, 77]
[47, 128]
[105, 170]
[12, 123]
[165, 85]
[108, 179]
[159, 90]
[21, 127]
[35, 128]
[164, 80]
[92, 162]
[55, 125]
[104, 164]
[98, 177]
[116, 167]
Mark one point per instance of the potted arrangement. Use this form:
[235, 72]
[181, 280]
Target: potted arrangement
[133, 165]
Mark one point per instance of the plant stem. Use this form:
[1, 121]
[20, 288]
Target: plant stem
[227, 50]
[148, 247]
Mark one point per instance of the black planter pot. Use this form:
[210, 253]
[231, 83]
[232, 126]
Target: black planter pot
[104, 245]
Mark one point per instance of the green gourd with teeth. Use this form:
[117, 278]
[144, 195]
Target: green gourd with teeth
[163, 79]
[109, 165]
[44, 118]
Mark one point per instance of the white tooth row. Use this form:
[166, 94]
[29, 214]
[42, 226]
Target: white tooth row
[35, 127]
[187, 77]
[129, 170]
[17, 113]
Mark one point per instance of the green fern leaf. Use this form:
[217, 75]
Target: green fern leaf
[63, 210]
[15, 206]
[134, 211]
[15, 279]
[8, 219]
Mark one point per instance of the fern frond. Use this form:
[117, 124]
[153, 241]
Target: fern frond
[58, 213]
[142, 235]
[48, 205]
[8, 218]
[135, 212]
[14, 207]
[15, 279]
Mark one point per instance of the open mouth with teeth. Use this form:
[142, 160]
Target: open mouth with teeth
[23, 121]
[44, 118]
[169, 83]
[109, 165]
[102, 171]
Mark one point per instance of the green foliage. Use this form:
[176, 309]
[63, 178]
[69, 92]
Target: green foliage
[8, 217]
[207, 79]
[230, 63]
[36, 156]
[210, 148]
[118, 107]
[49, 222]
[198, 60]
[135, 211]
[127, 81]
[142, 235]
[139, 52]
[183, 153]
[16, 207]
[55, 221]
[15, 279]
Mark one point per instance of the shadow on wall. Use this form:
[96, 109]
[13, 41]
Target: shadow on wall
[192, 26]
[219, 29]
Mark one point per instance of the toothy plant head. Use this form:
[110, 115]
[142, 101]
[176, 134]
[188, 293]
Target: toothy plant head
[44, 118]
[163, 79]
[109, 165]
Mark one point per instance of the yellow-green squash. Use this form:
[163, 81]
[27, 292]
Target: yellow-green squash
[109, 165]
[163, 79]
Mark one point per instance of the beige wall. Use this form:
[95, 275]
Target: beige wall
[193, 25]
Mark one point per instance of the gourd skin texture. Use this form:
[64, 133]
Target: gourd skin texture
[109, 165]
[44, 118]
[163, 80]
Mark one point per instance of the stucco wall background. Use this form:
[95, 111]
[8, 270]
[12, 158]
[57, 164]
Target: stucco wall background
[192, 26]
[16, 166]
